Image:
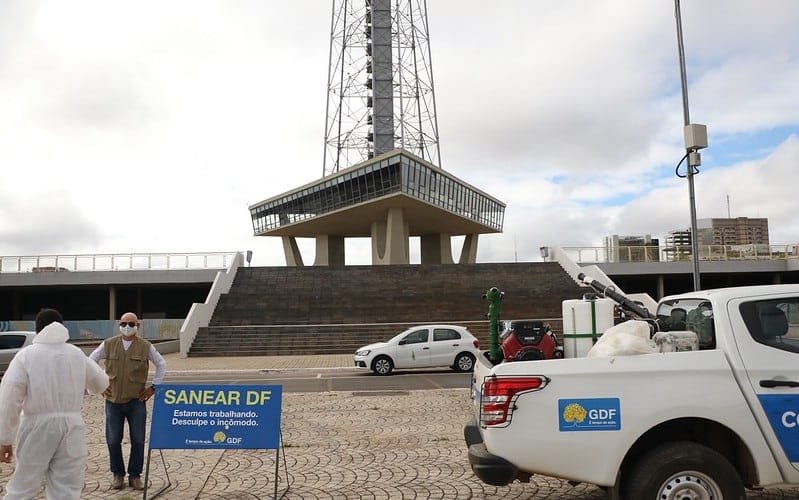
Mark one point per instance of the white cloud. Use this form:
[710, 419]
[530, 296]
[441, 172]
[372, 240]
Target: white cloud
[59, 223]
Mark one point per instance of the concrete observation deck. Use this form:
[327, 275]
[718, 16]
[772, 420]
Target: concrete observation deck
[388, 198]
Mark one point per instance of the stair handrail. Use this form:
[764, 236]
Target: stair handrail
[200, 314]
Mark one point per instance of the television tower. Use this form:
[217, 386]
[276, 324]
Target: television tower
[380, 93]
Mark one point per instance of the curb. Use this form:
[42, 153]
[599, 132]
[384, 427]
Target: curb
[250, 370]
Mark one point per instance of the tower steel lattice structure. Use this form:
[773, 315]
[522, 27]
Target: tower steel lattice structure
[380, 93]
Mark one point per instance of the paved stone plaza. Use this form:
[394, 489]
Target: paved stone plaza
[338, 445]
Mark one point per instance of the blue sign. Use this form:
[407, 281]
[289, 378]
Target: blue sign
[782, 411]
[597, 414]
[216, 417]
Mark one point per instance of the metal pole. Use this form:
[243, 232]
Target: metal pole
[691, 171]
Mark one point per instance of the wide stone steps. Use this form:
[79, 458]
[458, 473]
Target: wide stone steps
[313, 339]
[265, 341]
[320, 310]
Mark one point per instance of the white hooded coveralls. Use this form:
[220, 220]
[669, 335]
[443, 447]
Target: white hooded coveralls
[45, 383]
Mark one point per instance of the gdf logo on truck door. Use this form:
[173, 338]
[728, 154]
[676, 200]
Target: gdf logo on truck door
[592, 414]
[783, 415]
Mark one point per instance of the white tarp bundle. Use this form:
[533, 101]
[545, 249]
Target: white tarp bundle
[624, 339]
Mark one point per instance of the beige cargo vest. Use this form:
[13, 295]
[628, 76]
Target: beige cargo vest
[127, 370]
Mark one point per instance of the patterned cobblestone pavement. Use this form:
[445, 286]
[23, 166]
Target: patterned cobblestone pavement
[340, 445]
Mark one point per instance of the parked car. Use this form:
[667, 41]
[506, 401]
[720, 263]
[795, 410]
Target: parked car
[422, 346]
[10, 344]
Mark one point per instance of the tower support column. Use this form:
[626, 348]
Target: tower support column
[383, 78]
[390, 239]
[436, 249]
[469, 250]
[329, 251]
[292, 251]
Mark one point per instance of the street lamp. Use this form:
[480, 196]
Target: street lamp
[544, 253]
[695, 136]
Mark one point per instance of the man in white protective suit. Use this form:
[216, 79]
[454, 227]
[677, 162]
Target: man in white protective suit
[40, 411]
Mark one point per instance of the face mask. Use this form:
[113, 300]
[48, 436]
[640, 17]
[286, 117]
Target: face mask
[128, 330]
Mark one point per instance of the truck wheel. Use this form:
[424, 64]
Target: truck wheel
[683, 471]
[382, 365]
[464, 362]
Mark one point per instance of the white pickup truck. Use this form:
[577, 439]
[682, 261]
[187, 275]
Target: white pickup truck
[702, 424]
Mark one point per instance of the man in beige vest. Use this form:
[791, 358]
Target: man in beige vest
[127, 358]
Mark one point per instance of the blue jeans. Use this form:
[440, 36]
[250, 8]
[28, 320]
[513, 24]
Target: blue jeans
[135, 412]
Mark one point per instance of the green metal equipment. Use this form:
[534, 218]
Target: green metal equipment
[494, 297]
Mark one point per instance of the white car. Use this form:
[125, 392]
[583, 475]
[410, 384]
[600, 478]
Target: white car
[422, 346]
[10, 344]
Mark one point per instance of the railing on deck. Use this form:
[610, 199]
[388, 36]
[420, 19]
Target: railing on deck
[681, 253]
[101, 329]
[115, 262]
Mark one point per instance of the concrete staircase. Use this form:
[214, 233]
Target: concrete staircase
[298, 339]
[322, 310]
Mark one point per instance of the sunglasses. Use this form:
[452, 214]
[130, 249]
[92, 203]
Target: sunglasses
[128, 323]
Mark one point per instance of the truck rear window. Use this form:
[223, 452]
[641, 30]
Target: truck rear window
[774, 323]
[695, 315]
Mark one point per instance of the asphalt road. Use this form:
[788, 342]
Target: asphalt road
[322, 380]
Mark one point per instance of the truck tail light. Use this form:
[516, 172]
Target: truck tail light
[499, 394]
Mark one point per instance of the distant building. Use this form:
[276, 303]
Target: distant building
[734, 231]
[678, 245]
[718, 236]
[678, 237]
[632, 248]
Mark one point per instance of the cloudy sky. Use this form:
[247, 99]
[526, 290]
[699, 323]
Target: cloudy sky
[152, 126]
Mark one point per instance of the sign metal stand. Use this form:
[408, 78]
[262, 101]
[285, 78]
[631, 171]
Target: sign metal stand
[277, 471]
[147, 476]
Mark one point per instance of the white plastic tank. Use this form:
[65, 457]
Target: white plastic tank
[583, 321]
